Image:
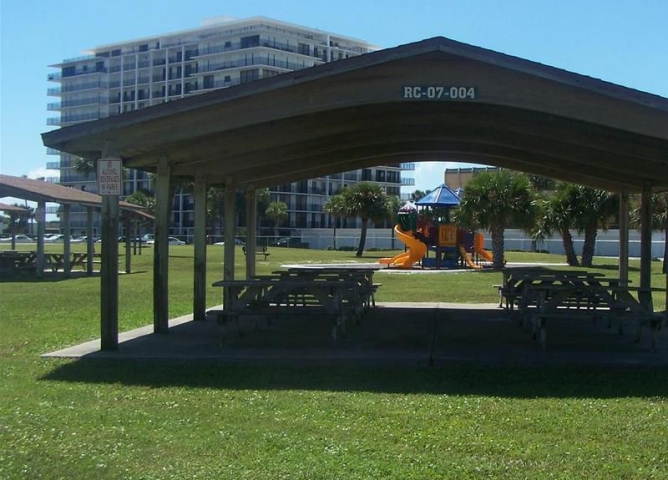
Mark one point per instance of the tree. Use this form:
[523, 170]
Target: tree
[557, 216]
[366, 201]
[276, 212]
[541, 187]
[84, 166]
[592, 209]
[418, 194]
[496, 201]
[659, 221]
[336, 207]
[144, 198]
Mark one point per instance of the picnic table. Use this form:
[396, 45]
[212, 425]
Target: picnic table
[514, 280]
[362, 274]
[56, 261]
[12, 261]
[334, 298]
[545, 295]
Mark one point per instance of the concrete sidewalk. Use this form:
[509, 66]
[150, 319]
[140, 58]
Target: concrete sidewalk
[397, 333]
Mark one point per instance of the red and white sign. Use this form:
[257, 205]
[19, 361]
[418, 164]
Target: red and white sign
[110, 176]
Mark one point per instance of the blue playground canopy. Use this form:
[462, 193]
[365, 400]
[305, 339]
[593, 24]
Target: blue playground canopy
[441, 196]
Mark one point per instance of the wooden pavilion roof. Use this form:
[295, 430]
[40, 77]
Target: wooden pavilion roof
[365, 111]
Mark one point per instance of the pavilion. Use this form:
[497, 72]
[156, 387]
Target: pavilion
[431, 100]
[42, 192]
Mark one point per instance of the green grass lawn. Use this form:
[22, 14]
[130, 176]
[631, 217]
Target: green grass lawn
[151, 420]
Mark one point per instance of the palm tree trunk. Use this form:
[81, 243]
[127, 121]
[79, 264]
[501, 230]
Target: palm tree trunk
[360, 248]
[589, 245]
[567, 240]
[497, 247]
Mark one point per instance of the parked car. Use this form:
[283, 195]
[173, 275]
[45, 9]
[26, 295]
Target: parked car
[19, 239]
[133, 240]
[237, 241]
[84, 239]
[289, 242]
[147, 237]
[172, 241]
[60, 238]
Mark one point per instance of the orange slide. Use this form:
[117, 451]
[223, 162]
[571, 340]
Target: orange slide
[416, 250]
[479, 248]
[484, 254]
[467, 258]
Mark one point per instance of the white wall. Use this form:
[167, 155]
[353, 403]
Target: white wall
[607, 243]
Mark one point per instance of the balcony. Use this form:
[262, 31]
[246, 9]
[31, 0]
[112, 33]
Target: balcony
[407, 182]
[52, 151]
[408, 167]
[254, 60]
[63, 119]
[264, 42]
[56, 77]
[77, 88]
[53, 165]
[76, 103]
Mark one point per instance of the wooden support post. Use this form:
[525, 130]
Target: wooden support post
[251, 224]
[199, 285]
[67, 231]
[109, 274]
[40, 217]
[624, 234]
[90, 241]
[230, 211]
[645, 293]
[128, 242]
[161, 247]
[230, 227]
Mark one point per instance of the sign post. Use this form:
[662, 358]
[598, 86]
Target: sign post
[110, 186]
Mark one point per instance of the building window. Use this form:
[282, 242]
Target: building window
[252, 41]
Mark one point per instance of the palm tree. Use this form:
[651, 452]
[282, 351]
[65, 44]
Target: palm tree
[542, 187]
[418, 194]
[659, 221]
[557, 216]
[336, 207]
[85, 167]
[366, 201]
[590, 209]
[276, 212]
[496, 201]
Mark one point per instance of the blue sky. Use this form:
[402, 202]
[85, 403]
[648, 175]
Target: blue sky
[621, 41]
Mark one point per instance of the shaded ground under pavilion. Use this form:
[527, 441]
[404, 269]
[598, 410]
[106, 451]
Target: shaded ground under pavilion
[435, 99]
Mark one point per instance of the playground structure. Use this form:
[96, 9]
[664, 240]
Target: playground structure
[432, 240]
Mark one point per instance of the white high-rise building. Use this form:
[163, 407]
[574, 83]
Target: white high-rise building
[222, 53]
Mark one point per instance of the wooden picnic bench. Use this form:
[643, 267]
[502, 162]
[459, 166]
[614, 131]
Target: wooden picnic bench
[362, 274]
[275, 295]
[514, 279]
[604, 296]
[12, 262]
[56, 261]
[262, 251]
